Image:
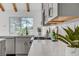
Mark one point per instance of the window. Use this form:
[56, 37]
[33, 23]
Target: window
[18, 25]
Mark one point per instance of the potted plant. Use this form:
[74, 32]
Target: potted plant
[71, 38]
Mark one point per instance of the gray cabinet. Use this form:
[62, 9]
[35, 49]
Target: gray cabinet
[10, 46]
[2, 48]
[49, 11]
[68, 9]
[52, 10]
[18, 45]
[22, 46]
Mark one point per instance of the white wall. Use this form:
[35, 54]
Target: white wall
[35, 12]
[4, 21]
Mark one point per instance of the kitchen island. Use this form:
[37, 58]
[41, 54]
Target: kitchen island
[47, 47]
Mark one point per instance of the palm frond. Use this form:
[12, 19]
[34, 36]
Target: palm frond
[63, 38]
[69, 32]
[70, 37]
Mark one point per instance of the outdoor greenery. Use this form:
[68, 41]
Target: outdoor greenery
[71, 38]
[22, 31]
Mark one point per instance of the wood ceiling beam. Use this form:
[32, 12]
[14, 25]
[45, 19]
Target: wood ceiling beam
[1, 7]
[54, 22]
[14, 7]
[28, 7]
[62, 19]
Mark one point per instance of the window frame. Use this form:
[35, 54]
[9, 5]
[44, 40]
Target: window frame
[15, 25]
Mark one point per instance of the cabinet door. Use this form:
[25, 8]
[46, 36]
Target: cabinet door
[68, 9]
[27, 44]
[3, 48]
[10, 46]
[49, 11]
[21, 47]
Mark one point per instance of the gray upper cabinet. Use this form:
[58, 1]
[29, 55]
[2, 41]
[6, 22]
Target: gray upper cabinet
[68, 9]
[49, 11]
[52, 10]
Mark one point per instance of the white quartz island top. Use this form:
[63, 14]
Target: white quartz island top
[46, 48]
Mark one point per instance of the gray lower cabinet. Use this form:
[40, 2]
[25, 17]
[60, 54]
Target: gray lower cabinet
[18, 45]
[10, 46]
[22, 46]
[2, 48]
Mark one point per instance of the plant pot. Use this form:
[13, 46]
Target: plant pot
[72, 51]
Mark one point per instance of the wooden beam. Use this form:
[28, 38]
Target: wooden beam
[1, 7]
[56, 21]
[14, 7]
[62, 19]
[28, 7]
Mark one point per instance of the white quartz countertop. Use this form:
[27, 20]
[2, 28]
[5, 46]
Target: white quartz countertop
[46, 48]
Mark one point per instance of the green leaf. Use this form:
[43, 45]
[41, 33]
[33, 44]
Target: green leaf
[64, 41]
[69, 32]
[70, 36]
[68, 41]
